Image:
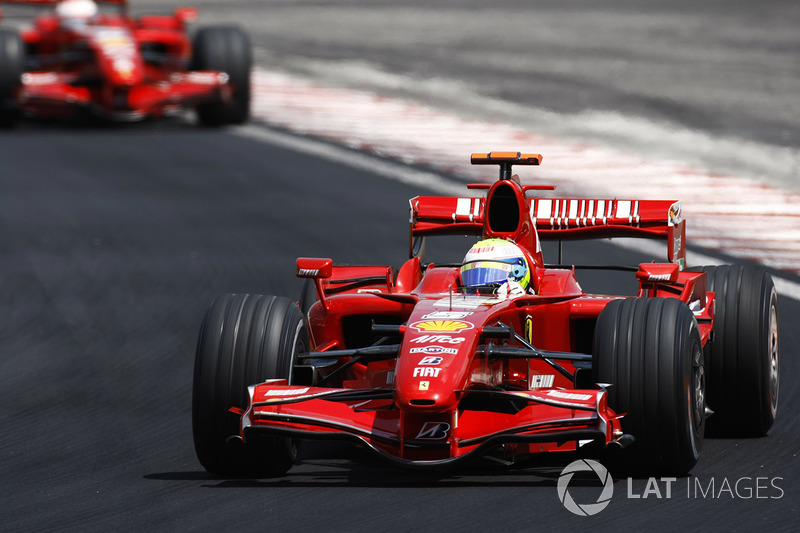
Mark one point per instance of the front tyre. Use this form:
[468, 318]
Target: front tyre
[225, 49]
[649, 350]
[244, 340]
[742, 360]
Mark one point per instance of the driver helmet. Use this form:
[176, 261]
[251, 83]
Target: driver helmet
[76, 9]
[494, 261]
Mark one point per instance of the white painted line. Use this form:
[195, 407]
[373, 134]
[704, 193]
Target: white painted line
[358, 160]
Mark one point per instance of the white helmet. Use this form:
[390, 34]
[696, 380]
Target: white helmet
[76, 9]
[493, 262]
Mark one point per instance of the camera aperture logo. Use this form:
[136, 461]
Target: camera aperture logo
[585, 509]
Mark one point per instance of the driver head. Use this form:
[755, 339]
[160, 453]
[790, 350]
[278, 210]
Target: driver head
[491, 262]
[76, 9]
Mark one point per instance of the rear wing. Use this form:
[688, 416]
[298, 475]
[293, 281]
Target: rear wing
[560, 219]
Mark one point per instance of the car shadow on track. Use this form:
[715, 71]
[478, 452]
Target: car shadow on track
[179, 122]
[346, 465]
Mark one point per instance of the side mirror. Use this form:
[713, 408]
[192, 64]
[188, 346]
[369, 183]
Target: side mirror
[314, 267]
[186, 14]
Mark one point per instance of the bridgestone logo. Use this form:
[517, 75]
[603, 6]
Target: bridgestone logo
[434, 431]
[308, 272]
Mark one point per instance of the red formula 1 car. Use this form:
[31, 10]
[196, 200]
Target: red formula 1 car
[501, 354]
[120, 67]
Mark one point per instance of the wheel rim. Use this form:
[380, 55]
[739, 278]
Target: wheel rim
[774, 378]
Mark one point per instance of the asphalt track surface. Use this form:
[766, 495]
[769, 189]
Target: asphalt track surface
[113, 242]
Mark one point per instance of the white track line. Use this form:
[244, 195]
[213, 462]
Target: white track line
[732, 214]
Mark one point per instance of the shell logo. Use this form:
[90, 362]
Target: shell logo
[441, 326]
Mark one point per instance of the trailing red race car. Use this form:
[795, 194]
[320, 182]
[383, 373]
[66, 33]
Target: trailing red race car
[499, 354]
[76, 58]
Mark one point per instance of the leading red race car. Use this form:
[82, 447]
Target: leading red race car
[499, 354]
[75, 58]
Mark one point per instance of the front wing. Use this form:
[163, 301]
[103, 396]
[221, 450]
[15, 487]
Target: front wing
[43, 93]
[536, 421]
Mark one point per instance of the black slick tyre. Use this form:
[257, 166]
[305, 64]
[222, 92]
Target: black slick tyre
[742, 360]
[226, 49]
[244, 339]
[649, 350]
[12, 66]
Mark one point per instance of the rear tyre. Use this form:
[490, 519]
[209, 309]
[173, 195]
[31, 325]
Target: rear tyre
[226, 49]
[12, 66]
[742, 360]
[244, 339]
[649, 350]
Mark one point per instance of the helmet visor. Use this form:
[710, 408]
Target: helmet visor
[480, 273]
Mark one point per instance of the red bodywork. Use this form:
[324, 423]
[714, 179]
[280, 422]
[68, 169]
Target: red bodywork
[113, 65]
[452, 374]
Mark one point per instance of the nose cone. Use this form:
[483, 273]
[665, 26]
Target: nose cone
[426, 378]
[118, 55]
[126, 71]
